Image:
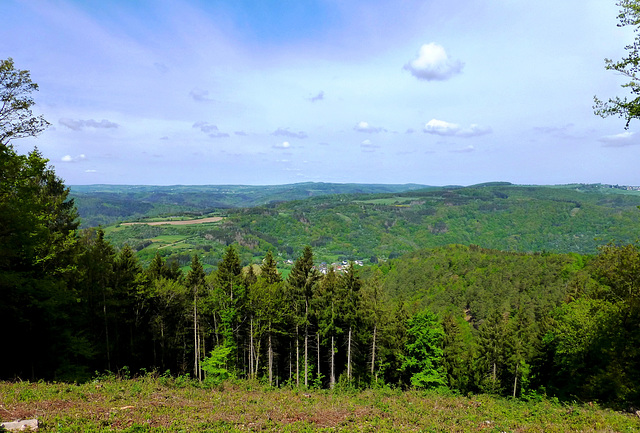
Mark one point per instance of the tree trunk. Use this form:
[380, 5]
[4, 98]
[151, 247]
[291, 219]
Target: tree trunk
[349, 356]
[195, 337]
[297, 358]
[306, 355]
[332, 379]
[106, 328]
[373, 350]
[270, 358]
[515, 382]
[251, 349]
[290, 362]
[318, 354]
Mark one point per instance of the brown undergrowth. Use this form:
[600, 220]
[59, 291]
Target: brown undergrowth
[152, 404]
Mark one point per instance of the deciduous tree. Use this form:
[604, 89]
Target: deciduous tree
[628, 66]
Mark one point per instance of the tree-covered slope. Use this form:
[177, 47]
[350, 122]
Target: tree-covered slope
[573, 218]
[106, 204]
[475, 280]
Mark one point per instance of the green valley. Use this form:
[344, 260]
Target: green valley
[373, 226]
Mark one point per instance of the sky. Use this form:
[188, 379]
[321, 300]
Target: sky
[434, 92]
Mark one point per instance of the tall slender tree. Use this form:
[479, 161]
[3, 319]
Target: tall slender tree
[351, 315]
[195, 281]
[301, 282]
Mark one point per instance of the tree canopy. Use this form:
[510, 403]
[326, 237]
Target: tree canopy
[16, 117]
[628, 66]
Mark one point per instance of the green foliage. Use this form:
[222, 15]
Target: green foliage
[571, 218]
[38, 247]
[628, 67]
[16, 118]
[423, 358]
[595, 340]
[216, 365]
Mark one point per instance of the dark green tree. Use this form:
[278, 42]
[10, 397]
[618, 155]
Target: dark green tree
[456, 355]
[301, 283]
[195, 281]
[350, 312]
[492, 352]
[101, 311]
[327, 307]
[226, 303]
[268, 270]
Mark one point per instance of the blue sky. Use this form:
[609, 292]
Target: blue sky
[270, 92]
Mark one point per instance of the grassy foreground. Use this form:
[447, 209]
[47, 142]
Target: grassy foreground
[152, 404]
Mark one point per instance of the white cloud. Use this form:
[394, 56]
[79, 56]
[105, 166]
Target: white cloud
[284, 132]
[447, 129]
[91, 171]
[69, 158]
[78, 125]
[467, 149]
[283, 145]
[433, 63]
[368, 146]
[627, 138]
[366, 127]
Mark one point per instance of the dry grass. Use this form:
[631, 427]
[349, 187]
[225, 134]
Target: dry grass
[162, 405]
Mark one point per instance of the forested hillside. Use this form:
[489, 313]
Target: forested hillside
[108, 204]
[368, 227]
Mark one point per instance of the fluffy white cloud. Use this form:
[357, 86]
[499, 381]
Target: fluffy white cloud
[283, 145]
[69, 158]
[433, 63]
[627, 138]
[366, 127]
[78, 125]
[440, 127]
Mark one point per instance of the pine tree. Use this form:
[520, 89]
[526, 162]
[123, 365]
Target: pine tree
[301, 282]
[327, 307]
[195, 281]
[350, 285]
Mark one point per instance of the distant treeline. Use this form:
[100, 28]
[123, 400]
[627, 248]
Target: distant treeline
[369, 227]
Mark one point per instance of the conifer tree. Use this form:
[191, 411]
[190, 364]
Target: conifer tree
[350, 286]
[301, 282]
[195, 281]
